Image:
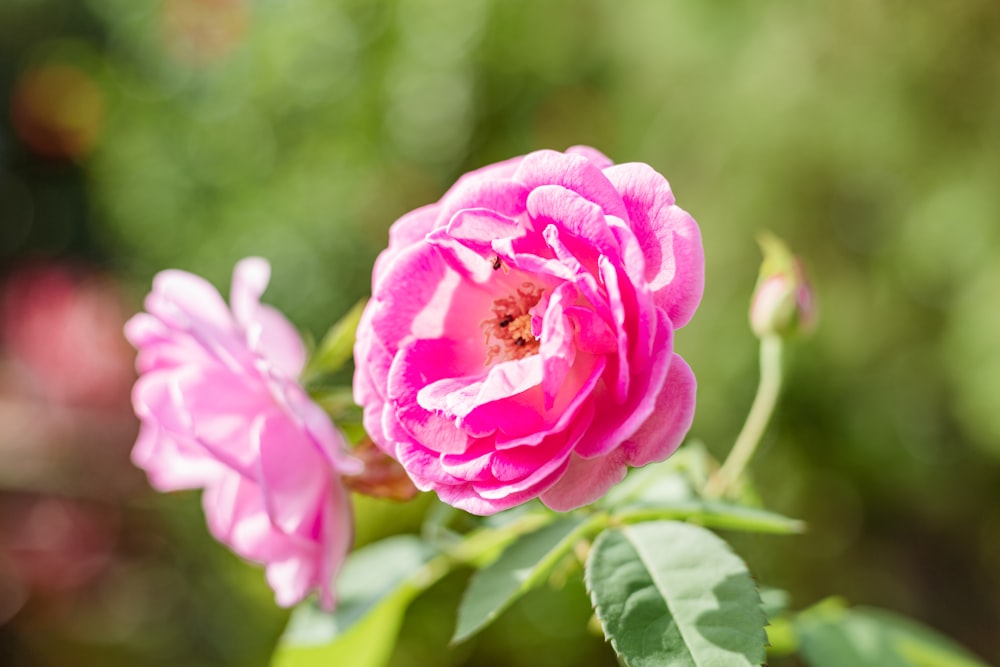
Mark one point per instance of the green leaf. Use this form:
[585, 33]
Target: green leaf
[376, 585]
[670, 593]
[774, 601]
[522, 566]
[337, 345]
[368, 643]
[669, 481]
[714, 514]
[833, 636]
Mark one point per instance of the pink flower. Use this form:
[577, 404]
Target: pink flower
[221, 409]
[519, 339]
[48, 313]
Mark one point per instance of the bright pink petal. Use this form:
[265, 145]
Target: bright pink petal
[609, 252]
[420, 363]
[505, 198]
[573, 172]
[594, 156]
[612, 426]
[553, 204]
[670, 238]
[467, 242]
[663, 432]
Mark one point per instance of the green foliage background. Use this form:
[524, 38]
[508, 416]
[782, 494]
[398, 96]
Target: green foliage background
[864, 132]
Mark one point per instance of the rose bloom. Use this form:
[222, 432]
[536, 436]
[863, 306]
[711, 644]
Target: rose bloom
[221, 409]
[519, 339]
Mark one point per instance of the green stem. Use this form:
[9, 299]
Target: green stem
[753, 429]
[478, 547]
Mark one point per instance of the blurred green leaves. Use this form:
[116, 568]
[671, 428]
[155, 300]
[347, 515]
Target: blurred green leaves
[832, 635]
[337, 346]
[522, 566]
[375, 586]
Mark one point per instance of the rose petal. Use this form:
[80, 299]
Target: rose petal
[670, 239]
[663, 432]
[585, 480]
[573, 172]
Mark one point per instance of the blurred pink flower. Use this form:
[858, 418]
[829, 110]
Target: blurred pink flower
[221, 408]
[63, 329]
[519, 339]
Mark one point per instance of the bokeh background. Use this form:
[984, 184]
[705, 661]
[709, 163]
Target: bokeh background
[138, 135]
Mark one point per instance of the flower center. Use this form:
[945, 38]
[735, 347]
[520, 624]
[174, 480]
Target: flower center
[508, 332]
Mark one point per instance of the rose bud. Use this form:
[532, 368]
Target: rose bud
[783, 303]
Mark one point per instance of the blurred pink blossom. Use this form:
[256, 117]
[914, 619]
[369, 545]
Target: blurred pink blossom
[519, 339]
[221, 409]
[63, 328]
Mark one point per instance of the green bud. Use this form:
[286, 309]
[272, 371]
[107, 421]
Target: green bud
[783, 303]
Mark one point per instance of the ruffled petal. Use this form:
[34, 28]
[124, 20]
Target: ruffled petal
[612, 426]
[173, 463]
[293, 476]
[663, 432]
[585, 480]
[573, 172]
[669, 237]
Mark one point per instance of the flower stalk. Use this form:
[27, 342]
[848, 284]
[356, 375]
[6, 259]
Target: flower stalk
[753, 429]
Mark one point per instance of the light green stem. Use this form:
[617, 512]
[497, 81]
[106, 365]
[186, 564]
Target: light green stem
[753, 429]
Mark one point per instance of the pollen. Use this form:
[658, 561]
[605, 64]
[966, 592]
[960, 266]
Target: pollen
[508, 332]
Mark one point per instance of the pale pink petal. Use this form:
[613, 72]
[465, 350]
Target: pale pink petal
[273, 337]
[585, 480]
[220, 408]
[161, 347]
[315, 424]
[293, 475]
[250, 278]
[337, 535]
[292, 579]
[180, 298]
[173, 463]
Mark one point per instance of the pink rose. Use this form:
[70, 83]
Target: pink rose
[519, 339]
[221, 409]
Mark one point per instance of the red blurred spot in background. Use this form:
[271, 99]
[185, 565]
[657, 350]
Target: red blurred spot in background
[58, 111]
